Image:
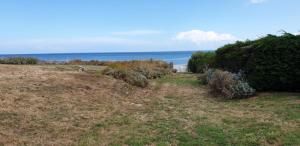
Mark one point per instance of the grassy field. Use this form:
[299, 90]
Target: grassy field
[57, 105]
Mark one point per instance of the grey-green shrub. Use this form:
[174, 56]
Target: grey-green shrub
[229, 85]
[242, 89]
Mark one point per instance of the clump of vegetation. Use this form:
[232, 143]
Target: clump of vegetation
[269, 63]
[137, 72]
[19, 60]
[201, 61]
[229, 85]
[129, 76]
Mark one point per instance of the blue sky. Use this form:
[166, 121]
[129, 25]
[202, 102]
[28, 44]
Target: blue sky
[59, 26]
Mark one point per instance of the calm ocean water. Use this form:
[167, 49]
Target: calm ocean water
[177, 57]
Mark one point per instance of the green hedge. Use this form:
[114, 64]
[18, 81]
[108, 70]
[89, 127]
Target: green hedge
[269, 63]
[201, 61]
[233, 57]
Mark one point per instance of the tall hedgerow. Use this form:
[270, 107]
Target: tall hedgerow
[233, 57]
[269, 63]
[274, 63]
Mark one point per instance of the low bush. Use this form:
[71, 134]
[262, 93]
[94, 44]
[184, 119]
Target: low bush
[137, 72]
[129, 76]
[151, 73]
[201, 61]
[19, 60]
[229, 85]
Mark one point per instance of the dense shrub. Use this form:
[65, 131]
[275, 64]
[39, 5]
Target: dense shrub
[229, 85]
[275, 63]
[233, 57]
[269, 63]
[200, 61]
[18, 60]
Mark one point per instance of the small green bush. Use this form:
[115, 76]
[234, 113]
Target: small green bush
[229, 85]
[18, 60]
[201, 61]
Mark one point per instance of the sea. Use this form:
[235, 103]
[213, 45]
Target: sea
[178, 58]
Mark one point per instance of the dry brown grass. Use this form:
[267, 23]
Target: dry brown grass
[57, 105]
[41, 105]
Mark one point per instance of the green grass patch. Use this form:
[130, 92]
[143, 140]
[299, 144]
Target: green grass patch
[205, 135]
[292, 138]
[249, 132]
[180, 79]
[283, 105]
[172, 124]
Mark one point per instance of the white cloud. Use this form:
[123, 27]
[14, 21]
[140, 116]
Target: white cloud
[257, 1]
[199, 36]
[137, 32]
